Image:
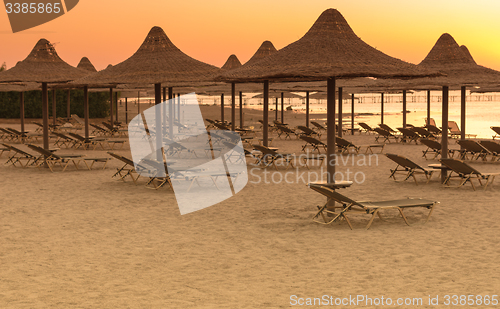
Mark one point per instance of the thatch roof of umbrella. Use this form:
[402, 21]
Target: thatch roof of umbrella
[85, 64]
[266, 49]
[466, 51]
[42, 65]
[157, 60]
[276, 94]
[447, 57]
[19, 87]
[232, 63]
[329, 49]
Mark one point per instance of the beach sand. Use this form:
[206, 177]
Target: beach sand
[81, 239]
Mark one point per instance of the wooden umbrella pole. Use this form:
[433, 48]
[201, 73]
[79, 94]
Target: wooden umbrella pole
[265, 128]
[404, 108]
[382, 108]
[276, 110]
[21, 101]
[444, 136]
[233, 106]
[126, 110]
[68, 105]
[111, 106]
[241, 110]
[282, 108]
[428, 107]
[352, 114]
[86, 110]
[222, 108]
[331, 139]
[45, 115]
[462, 111]
[341, 114]
[170, 112]
[307, 109]
[158, 124]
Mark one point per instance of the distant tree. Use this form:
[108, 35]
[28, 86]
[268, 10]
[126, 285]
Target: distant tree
[3, 67]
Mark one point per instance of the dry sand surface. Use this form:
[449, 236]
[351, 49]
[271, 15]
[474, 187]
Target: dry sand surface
[80, 239]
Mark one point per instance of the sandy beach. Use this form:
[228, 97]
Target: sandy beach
[81, 239]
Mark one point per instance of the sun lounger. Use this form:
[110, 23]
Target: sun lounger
[98, 130]
[433, 147]
[387, 128]
[280, 129]
[128, 168]
[314, 143]
[366, 128]
[372, 208]
[345, 146]
[493, 148]
[318, 126]
[18, 155]
[434, 130]
[423, 132]
[408, 135]
[497, 132]
[64, 140]
[466, 173]
[385, 134]
[454, 131]
[472, 148]
[51, 158]
[309, 132]
[6, 135]
[271, 157]
[431, 122]
[408, 167]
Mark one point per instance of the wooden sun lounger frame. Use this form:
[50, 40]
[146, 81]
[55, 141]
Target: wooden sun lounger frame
[368, 207]
[466, 173]
[409, 167]
[51, 159]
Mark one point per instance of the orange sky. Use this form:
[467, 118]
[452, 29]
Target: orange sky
[110, 31]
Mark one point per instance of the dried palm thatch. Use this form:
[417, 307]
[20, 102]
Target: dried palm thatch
[19, 87]
[266, 49]
[232, 63]
[157, 60]
[447, 57]
[329, 49]
[86, 65]
[42, 65]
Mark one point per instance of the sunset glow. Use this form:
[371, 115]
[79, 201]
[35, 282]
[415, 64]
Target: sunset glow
[108, 32]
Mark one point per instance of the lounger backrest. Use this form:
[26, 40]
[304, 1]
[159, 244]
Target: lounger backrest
[317, 125]
[61, 135]
[431, 122]
[24, 153]
[382, 132]
[472, 146]
[453, 127]
[121, 158]
[43, 152]
[491, 146]
[386, 127]
[342, 142]
[431, 144]
[311, 140]
[335, 195]
[265, 150]
[407, 132]
[496, 129]
[460, 166]
[421, 131]
[306, 130]
[78, 119]
[77, 136]
[365, 126]
[404, 162]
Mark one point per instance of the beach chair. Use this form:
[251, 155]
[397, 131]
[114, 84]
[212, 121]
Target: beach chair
[309, 132]
[385, 134]
[474, 149]
[433, 147]
[372, 208]
[6, 135]
[64, 140]
[86, 143]
[408, 167]
[283, 130]
[18, 155]
[497, 132]
[271, 157]
[466, 173]
[454, 131]
[128, 168]
[431, 122]
[79, 121]
[98, 130]
[408, 136]
[387, 128]
[345, 146]
[434, 130]
[493, 148]
[314, 143]
[423, 132]
[366, 128]
[318, 126]
[51, 158]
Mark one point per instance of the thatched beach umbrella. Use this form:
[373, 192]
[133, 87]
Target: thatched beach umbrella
[43, 65]
[328, 51]
[86, 65]
[156, 61]
[231, 63]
